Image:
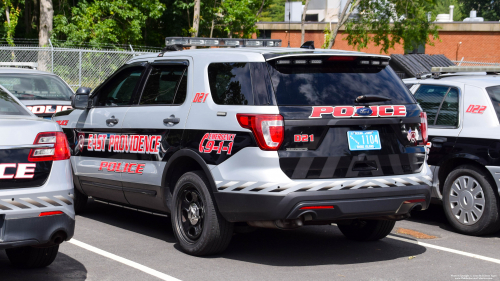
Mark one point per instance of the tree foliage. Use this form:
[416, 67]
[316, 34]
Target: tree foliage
[488, 9]
[105, 21]
[390, 22]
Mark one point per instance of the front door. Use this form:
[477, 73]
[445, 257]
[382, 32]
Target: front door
[157, 122]
[97, 161]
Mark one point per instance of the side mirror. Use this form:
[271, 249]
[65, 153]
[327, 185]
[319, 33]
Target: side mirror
[81, 98]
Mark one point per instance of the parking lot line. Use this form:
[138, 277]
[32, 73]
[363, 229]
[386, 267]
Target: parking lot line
[125, 261]
[392, 236]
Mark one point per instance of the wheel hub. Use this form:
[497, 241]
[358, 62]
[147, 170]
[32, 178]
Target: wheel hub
[193, 214]
[467, 200]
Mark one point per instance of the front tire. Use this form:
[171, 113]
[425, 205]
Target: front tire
[367, 230]
[198, 226]
[31, 257]
[470, 202]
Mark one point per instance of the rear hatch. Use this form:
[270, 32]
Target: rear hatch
[331, 131]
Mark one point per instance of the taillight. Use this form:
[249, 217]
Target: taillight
[268, 129]
[423, 127]
[57, 147]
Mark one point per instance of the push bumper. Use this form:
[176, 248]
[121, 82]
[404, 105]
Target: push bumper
[347, 204]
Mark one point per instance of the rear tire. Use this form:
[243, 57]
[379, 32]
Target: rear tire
[198, 226]
[367, 230]
[80, 201]
[470, 202]
[31, 257]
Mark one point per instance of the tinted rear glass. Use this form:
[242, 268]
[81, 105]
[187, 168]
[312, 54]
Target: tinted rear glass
[494, 93]
[36, 87]
[333, 82]
[9, 106]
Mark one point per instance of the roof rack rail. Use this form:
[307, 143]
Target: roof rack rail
[221, 42]
[32, 65]
[437, 71]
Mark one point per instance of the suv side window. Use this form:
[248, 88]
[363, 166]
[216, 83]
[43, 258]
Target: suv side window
[440, 103]
[167, 84]
[230, 83]
[448, 112]
[118, 90]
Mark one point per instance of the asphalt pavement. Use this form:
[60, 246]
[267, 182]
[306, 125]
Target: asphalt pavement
[113, 243]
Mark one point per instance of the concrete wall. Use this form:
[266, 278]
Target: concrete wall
[480, 41]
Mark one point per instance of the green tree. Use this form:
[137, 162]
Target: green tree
[275, 11]
[443, 7]
[390, 22]
[10, 11]
[488, 9]
[103, 22]
[239, 17]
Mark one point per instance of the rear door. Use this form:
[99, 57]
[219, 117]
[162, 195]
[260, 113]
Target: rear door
[97, 161]
[442, 104]
[330, 132]
[156, 124]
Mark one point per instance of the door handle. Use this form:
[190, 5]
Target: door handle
[111, 121]
[439, 139]
[172, 120]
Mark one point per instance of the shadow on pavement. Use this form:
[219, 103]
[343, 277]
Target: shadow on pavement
[311, 245]
[63, 268]
[139, 222]
[435, 215]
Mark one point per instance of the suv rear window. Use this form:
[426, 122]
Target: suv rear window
[333, 81]
[494, 93]
[9, 106]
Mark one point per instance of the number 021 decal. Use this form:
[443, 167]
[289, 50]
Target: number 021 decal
[207, 143]
[303, 138]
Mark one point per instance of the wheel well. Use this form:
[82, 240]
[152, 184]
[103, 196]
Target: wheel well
[451, 164]
[177, 168]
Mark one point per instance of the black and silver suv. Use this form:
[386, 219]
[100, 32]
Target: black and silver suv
[269, 137]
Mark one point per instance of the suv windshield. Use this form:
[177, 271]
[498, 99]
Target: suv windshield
[313, 81]
[9, 106]
[494, 93]
[36, 87]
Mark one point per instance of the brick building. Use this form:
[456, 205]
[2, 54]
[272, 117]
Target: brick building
[480, 40]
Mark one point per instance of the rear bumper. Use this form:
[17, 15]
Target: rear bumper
[34, 231]
[348, 204]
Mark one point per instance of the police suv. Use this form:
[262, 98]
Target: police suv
[265, 136]
[463, 110]
[43, 93]
[36, 186]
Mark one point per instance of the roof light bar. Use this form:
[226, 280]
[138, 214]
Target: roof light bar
[465, 69]
[221, 42]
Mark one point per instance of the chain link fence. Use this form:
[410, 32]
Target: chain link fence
[77, 66]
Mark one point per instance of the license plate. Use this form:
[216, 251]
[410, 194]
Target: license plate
[363, 140]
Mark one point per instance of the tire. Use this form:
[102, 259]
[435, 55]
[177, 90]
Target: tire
[460, 189]
[80, 201]
[198, 226]
[367, 230]
[31, 257]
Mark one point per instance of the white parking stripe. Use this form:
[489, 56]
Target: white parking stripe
[427, 245]
[125, 261]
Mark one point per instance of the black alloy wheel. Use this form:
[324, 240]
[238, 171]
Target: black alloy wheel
[198, 226]
[190, 210]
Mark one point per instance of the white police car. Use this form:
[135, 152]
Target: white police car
[43, 93]
[36, 186]
[463, 111]
[269, 137]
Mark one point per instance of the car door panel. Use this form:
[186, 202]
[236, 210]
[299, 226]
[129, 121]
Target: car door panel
[95, 163]
[157, 117]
